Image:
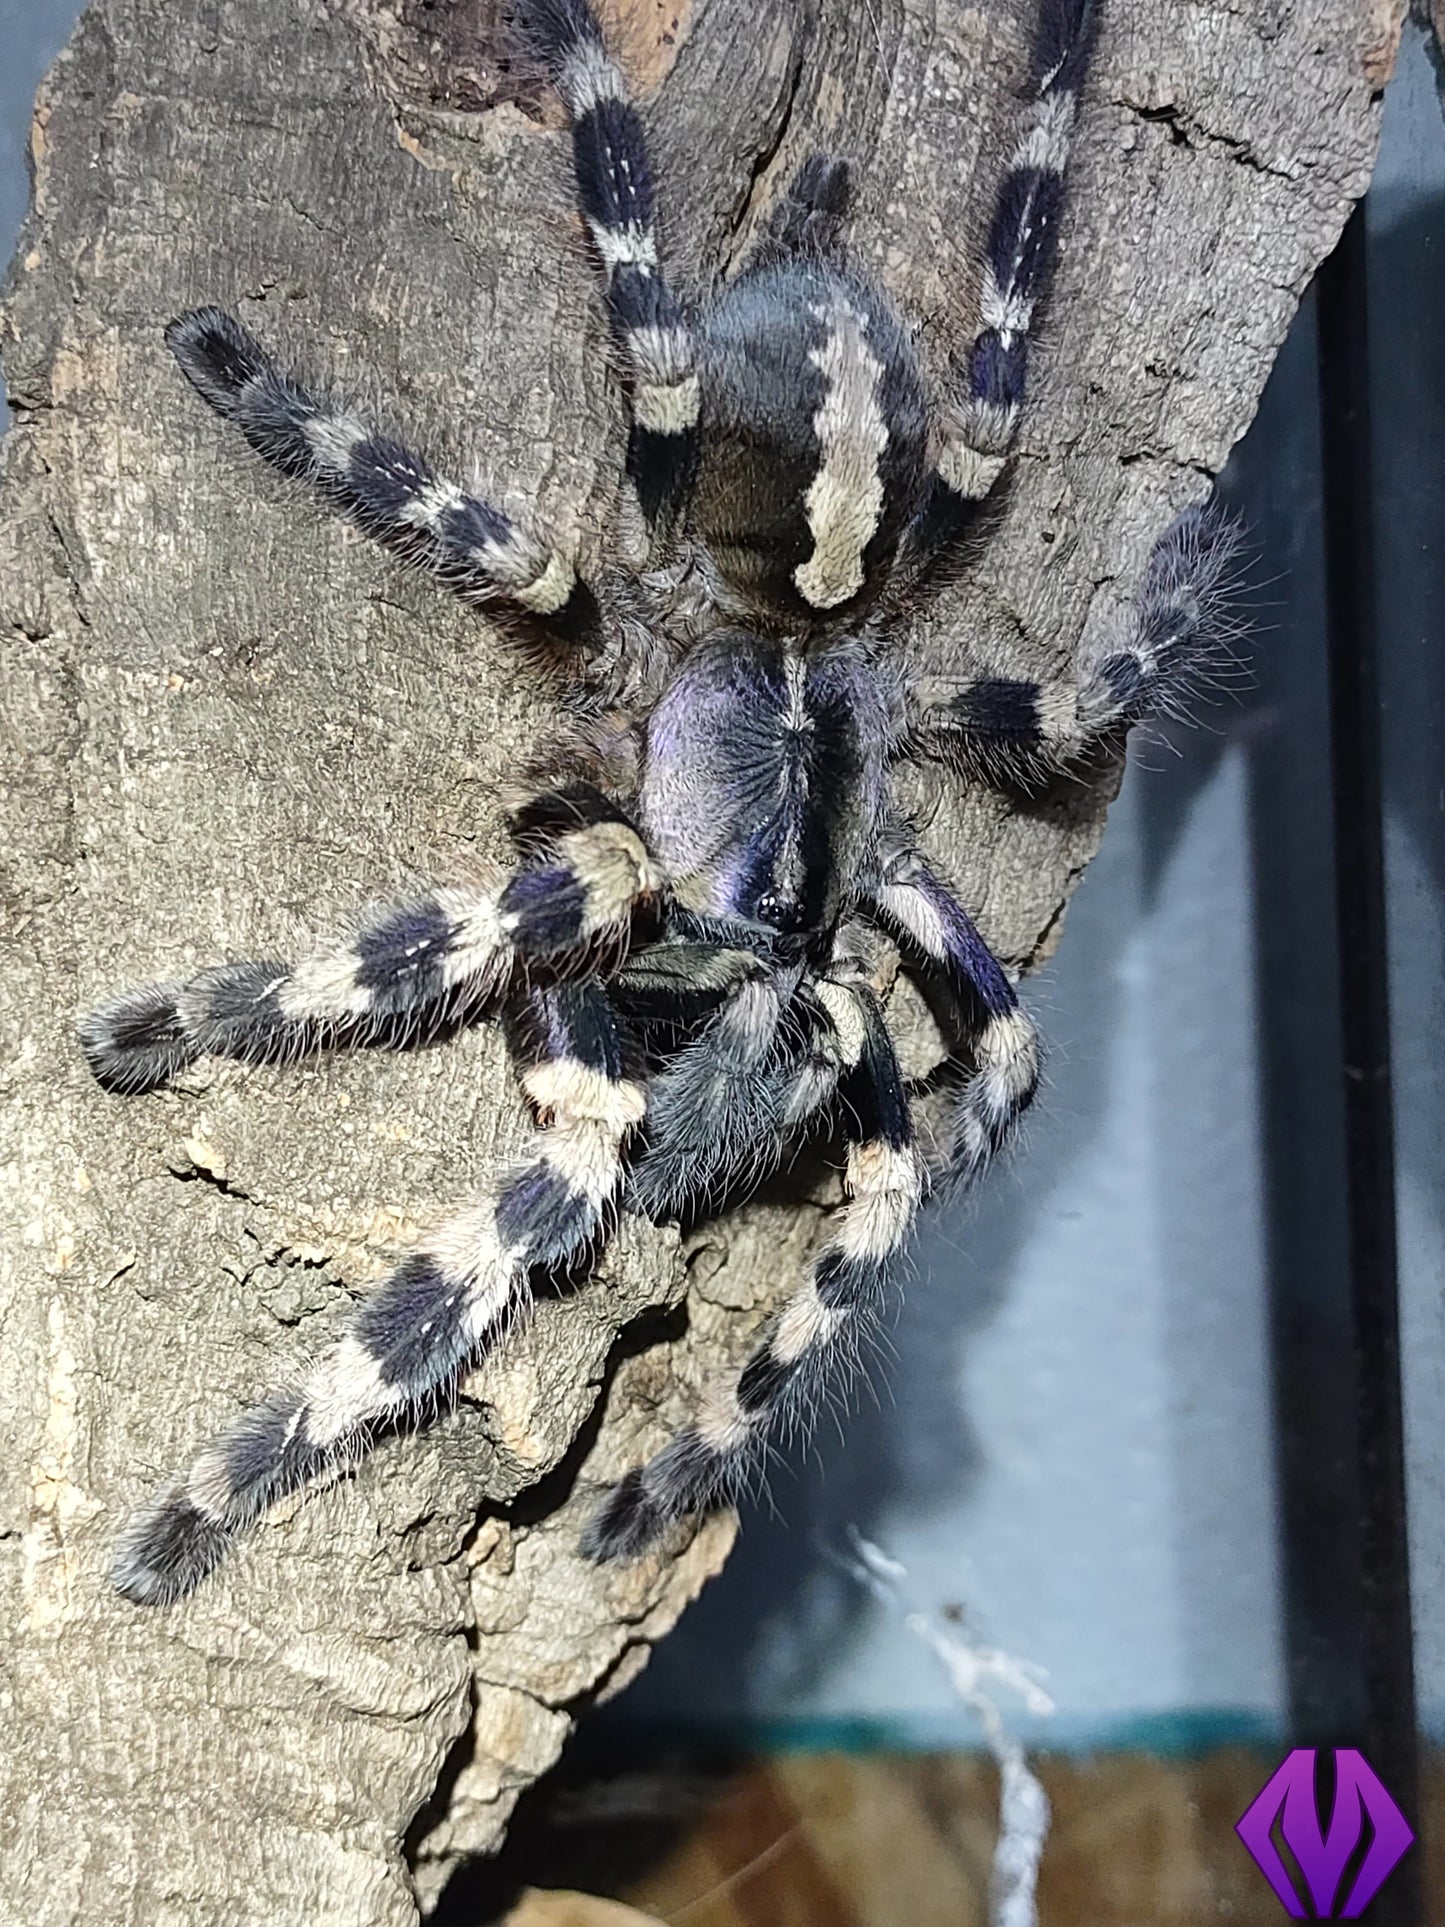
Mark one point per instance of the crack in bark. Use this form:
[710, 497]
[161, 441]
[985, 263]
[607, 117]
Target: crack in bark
[1186, 130]
[755, 190]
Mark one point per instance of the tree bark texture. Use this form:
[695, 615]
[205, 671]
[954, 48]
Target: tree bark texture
[227, 720]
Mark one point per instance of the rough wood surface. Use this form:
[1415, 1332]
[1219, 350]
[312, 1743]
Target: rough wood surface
[226, 720]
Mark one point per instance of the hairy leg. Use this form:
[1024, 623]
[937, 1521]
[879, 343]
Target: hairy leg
[818, 1329]
[1171, 643]
[987, 384]
[407, 969]
[1001, 1074]
[618, 205]
[809, 219]
[724, 1109]
[394, 495]
[407, 1343]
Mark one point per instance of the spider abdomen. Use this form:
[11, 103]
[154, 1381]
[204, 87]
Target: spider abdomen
[814, 452]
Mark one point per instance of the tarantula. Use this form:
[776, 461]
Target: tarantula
[680, 955]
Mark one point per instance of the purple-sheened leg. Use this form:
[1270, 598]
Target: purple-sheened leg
[915, 905]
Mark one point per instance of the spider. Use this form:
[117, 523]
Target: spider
[681, 954]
